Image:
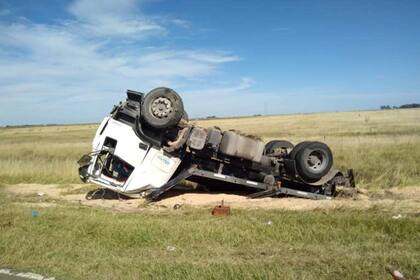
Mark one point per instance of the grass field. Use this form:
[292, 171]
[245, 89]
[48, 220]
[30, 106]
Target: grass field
[383, 147]
[83, 243]
[71, 241]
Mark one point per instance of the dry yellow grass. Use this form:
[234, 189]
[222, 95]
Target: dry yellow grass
[43, 154]
[382, 146]
[317, 126]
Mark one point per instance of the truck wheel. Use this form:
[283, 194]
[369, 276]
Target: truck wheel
[297, 148]
[313, 160]
[274, 145]
[162, 108]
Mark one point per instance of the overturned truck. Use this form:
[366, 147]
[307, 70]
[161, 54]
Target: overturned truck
[146, 146]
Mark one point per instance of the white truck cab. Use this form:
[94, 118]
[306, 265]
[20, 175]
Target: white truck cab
[126, 164]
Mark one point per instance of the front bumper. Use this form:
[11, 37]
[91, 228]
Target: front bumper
[86, 174]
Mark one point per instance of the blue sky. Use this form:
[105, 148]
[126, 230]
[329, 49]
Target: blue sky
[70, 61]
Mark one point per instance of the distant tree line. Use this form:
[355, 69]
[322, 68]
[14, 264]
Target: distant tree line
[405, 106]
[30, 125]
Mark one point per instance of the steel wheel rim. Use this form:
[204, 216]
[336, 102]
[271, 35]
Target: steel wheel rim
[161, 107]
[316, 161]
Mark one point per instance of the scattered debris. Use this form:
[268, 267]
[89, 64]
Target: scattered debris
[170, 248]
[27, 275]
[269, 223]
[396, 275]
[396, 217]
[177, 206]
[40, 194]
[35, 214]
[221, 210]
[407, 200]
[344, 192]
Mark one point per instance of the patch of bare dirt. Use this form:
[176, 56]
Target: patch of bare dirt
[405, 199]
[71, 193]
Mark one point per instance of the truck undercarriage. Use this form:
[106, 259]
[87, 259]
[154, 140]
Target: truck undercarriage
[147, 146]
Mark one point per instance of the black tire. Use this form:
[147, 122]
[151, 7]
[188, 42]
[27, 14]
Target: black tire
[162, 108]
[313, 161]
[273, 145]
[267, 146]
[297, 148]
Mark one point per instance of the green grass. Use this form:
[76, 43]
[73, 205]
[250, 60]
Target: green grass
[75, 242]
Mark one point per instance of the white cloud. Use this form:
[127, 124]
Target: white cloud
[182, 63]
[52, 54]
[113, 18]
[213, 57]
[62, 67]
[239, 88]
[232, 99]
[181, 23]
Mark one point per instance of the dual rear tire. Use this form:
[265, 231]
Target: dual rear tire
[313, 160]
[276, 147]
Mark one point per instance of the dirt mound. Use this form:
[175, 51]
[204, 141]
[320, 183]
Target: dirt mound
[406, 199]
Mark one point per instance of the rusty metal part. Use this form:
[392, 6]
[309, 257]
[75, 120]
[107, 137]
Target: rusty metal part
[340, 178]
[179, 141]
[327, 177]
[350, 178]
[221, 210]
[345, 179]
[396, 275]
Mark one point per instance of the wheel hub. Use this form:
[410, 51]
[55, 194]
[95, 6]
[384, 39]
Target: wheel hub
[315, 160]
[161, 107]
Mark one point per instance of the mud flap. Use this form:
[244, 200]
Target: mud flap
[333, 176]
[326, 178]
